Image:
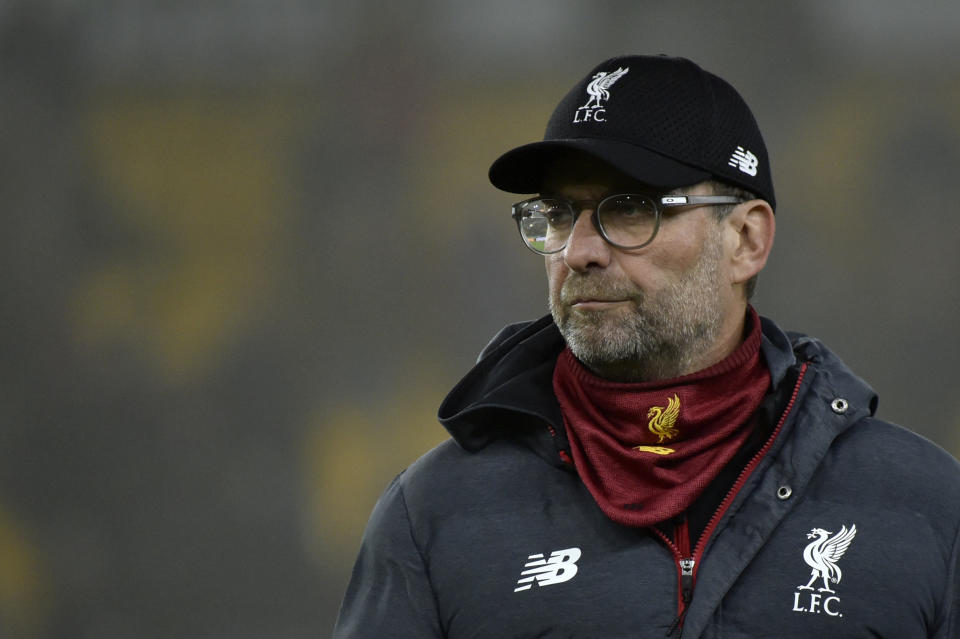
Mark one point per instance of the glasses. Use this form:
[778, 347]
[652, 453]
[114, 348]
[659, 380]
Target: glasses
[626, 221]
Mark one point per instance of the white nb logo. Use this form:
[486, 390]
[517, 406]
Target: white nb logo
[560, 567]
[744, 160]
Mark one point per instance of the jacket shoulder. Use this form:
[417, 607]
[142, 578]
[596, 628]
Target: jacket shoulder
[448, 476]
[904, 451]
[900, 448]
[894, 469]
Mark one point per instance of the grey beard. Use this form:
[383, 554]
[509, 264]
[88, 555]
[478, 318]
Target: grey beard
[656, 337]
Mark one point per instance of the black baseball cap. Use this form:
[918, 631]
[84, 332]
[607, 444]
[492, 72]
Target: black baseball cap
[661, 120]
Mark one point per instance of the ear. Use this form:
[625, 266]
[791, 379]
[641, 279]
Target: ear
[751, 227]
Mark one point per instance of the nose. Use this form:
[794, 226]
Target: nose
[586, 248]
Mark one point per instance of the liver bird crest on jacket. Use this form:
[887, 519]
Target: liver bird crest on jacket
[598, 87]
[663, 420]
[823, 553]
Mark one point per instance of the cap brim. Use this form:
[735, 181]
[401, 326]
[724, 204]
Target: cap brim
[521, 170]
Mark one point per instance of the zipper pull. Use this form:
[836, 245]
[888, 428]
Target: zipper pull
[686, 592]
[686, 578]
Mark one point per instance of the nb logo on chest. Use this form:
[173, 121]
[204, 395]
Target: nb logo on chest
[560, 567]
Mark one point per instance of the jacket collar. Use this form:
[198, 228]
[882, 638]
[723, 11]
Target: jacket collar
[511, 382]
[511, 377]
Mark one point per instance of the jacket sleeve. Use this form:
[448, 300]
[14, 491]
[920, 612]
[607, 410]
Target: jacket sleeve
[389, 594]
[950, 625]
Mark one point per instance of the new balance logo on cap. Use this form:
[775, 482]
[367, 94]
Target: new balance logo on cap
[560, 567]
[745, 161]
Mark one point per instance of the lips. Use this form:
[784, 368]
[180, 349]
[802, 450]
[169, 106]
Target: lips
[581, 290]
[595, 300]
[593, 304]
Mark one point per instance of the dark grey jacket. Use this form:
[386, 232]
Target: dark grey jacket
[847, 526]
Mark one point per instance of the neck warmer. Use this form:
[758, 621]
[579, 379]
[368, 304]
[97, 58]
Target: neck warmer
[646, 451]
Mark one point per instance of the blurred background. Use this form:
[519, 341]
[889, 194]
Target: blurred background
[248, 246]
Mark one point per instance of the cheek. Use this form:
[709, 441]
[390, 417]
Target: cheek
[679, 256]
[684, 247]
[556, 270]
[658, 270]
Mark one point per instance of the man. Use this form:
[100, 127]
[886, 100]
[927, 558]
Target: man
[653, 458]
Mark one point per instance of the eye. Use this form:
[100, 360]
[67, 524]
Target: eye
[628, 209]
[557, 217]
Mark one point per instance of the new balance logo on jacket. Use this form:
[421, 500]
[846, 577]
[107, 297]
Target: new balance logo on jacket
[821, 555]
[560, 567]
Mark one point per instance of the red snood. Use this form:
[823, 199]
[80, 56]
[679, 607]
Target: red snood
[647, 450]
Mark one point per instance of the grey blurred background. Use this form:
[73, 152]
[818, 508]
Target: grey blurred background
[249, 245]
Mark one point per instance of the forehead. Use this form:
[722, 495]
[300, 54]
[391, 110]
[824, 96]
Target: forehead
[582, 171]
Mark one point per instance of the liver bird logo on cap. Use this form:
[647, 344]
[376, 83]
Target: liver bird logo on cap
[598, 87]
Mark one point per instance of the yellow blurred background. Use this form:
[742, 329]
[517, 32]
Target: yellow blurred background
[249, 246]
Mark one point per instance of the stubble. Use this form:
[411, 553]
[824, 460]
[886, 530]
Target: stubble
[654, 336]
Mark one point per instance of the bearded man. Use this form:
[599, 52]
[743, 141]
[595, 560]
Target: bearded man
[653, 458]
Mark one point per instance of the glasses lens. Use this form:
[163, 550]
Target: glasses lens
[628, 220]
[545, 224]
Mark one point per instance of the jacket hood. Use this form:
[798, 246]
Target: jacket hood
[513, 381]
[512, 378]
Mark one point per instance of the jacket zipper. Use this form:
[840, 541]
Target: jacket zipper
[749, 468]
[688, 563]
[680, 547]
[685, 562]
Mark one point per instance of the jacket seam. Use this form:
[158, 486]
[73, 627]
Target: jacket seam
[420, 553]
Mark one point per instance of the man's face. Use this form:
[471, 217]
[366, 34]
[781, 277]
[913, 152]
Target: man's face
[652, 313]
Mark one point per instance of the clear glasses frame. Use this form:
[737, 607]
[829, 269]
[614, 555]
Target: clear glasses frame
[606, 210]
